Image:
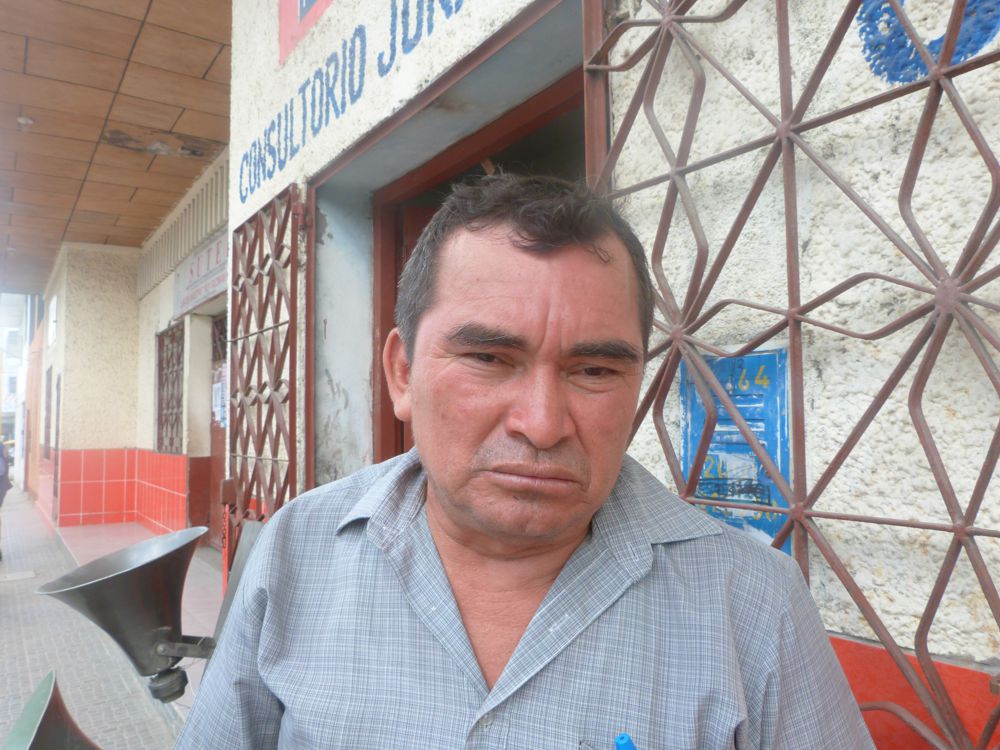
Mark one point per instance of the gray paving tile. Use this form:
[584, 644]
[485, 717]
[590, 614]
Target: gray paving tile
[101, 689]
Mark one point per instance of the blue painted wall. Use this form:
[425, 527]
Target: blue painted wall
[891, 54]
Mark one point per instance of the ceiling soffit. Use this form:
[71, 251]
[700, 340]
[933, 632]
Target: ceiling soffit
[109, 111]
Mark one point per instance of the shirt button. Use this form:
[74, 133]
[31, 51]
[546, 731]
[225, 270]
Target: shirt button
[486, 720]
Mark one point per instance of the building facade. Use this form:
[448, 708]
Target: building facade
[817, 187]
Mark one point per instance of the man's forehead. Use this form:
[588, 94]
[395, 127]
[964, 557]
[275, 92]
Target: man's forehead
[503, 244]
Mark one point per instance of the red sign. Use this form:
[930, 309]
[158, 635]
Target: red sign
[295, 18]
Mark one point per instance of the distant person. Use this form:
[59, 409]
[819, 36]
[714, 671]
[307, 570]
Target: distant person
[516, 581]
[4, 479]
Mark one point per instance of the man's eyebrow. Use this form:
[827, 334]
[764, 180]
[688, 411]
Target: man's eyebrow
[476, 334]
[610, 349]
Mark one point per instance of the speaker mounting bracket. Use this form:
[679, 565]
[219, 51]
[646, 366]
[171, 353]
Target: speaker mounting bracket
[189, 647]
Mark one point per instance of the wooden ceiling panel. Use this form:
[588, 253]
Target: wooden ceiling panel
[174, 88]
[6, 159]
[135, 178]
[50, 166]
[43, 252]
[138, 222]
[131, 8]
[159, 197]
[20, 237]
[72, 25]
[204, 125]
[51, 122]
[42, 225]
[82, 226]
[144, 112]
[129, 233]
[220, 70]
[113, 156]
[150, 141]
[93, 217]
[82, 235]
[123, 208]
[44, 92]
[39, 182]
[24, 209]
[103, 191]
[172, 50]
[46, 145]
[74, 65]
[12, 52]
[176, 165]
[39, 198]
[212, 20]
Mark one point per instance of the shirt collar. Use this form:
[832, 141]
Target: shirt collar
[640, 511]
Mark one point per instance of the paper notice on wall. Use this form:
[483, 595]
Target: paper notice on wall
[219, 403]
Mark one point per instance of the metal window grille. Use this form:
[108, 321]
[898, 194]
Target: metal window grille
[663, 70]
[219, 342]
[264, 327]
[170, 389]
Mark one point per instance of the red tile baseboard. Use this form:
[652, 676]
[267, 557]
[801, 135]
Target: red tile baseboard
[122, 485]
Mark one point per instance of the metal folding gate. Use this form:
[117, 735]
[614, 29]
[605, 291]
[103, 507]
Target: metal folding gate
[265, 375]
[954, 299]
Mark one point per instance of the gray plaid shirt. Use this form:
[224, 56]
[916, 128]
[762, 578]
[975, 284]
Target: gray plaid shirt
[663, 624]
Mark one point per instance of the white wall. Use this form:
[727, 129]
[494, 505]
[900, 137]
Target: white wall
[197, 385]
[887, 474]
[344, 300]
[261, 88]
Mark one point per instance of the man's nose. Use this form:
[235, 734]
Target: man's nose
[539, 409]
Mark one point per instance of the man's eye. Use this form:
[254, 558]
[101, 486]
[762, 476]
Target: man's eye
[597, 372]
[485, 357]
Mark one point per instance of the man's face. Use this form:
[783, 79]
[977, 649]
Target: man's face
[523, 384]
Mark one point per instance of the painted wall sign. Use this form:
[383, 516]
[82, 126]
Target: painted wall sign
[202, 275]
[337, 84]
[295, 18]
[758, 385]
[890, 52]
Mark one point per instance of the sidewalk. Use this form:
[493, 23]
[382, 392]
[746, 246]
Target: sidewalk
[102, 691]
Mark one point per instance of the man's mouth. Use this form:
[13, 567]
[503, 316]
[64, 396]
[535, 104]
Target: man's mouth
[539, 478]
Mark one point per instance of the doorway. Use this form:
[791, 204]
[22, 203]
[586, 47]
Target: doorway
[365, 209]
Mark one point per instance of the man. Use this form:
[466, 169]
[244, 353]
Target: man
[516, 581]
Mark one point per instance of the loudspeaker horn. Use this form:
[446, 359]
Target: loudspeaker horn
[134, 595]
[45, 724]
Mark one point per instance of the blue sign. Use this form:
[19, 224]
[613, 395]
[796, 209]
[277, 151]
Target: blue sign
[758, 385]
[891, 54]
[304, 7]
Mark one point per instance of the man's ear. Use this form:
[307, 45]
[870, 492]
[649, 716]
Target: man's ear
[397, 374]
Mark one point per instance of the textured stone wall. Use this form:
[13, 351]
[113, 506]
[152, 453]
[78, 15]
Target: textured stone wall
[99, 324]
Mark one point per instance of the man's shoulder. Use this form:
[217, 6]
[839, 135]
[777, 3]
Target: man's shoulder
[330, 505]
[698, 543]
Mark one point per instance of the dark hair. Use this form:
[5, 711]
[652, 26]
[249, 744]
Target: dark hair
[545, 214]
